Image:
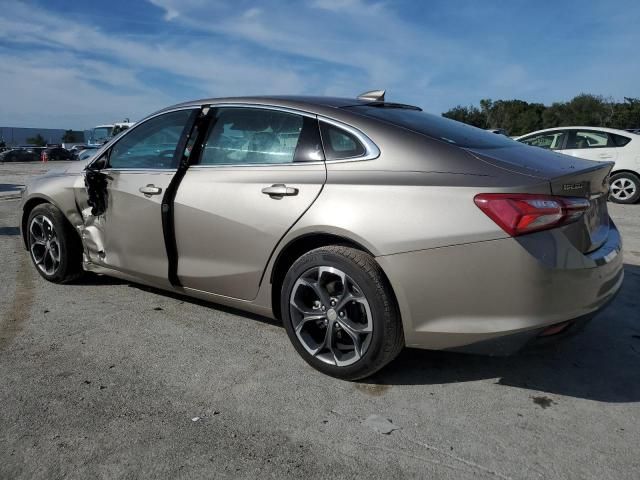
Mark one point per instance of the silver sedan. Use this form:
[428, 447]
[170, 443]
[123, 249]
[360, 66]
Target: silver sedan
[364, 225]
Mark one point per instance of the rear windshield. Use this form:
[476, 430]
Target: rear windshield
[437, 127]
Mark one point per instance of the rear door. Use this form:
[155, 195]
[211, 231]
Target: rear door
[123, 226]
[590, 144]
[259, 170]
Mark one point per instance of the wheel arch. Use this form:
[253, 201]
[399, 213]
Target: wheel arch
[28, 207]
[302, 244]
[625, 170]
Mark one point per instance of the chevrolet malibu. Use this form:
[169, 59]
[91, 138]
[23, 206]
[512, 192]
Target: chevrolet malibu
[364, 225]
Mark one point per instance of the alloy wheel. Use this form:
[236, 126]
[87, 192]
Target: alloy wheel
[331, 316]
[623, 189]
[44, 245]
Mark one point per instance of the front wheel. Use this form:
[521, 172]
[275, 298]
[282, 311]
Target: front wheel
[54, 246]
[624, 187]
[340, 313]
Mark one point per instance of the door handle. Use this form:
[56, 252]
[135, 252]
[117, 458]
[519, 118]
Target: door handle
[150, 190]
[279, 190]
[605, 155]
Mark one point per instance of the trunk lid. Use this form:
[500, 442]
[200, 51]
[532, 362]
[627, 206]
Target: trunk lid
[567, 177]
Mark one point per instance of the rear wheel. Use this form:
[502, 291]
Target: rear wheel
[340, 313]
[624, 187]
[54, 246]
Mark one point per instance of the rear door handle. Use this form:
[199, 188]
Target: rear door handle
[150, 190]
[279, 190]
[605, 155]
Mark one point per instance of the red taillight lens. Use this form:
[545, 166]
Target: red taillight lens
[522, 213]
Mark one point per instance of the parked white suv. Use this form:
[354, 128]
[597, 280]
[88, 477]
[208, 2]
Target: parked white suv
[596, 143]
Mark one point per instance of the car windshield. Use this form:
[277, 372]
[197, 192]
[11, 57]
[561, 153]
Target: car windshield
[435, 126]
[101, 133]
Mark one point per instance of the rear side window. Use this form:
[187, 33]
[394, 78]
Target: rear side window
[340, 144]
[619, 140]
[254, 136]
[581, 139]
[435, 126]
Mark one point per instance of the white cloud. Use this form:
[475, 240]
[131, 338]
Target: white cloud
[80, 73]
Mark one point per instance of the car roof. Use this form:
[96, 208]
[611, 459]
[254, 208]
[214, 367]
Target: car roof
[311, 104]
[555, 129]
[301, 101]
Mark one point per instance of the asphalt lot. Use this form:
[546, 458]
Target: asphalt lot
[104, 379]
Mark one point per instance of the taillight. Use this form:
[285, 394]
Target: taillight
[520, 213]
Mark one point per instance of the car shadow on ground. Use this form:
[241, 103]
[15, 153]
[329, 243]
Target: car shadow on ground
[600, 363]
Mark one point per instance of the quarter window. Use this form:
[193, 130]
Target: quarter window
[151, 144]
[250, 136]
[340, 144]
[619, 140]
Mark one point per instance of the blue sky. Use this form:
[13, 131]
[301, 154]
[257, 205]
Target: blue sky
[70, 64]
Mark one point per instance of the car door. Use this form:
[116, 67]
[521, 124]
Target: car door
[123, 225]
[590, 144]
[258, 171]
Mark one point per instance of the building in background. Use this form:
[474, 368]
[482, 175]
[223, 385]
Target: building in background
[14, 136]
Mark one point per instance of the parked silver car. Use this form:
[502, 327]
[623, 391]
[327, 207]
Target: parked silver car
[363, 225]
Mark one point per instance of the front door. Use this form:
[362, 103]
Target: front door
[259, 170]
[123, 221]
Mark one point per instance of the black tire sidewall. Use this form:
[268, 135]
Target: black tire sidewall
[629, 176]
[372, 357]
[65, 269]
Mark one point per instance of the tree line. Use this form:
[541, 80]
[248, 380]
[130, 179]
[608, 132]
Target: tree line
[69, 136]
[518, 117]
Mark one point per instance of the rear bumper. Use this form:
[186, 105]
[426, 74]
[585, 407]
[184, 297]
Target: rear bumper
[496, 296]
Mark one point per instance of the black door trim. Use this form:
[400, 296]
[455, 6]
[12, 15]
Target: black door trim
[197, 127]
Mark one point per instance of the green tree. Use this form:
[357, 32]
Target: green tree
[518, 117]
[38, 141]
[470, 115]
[626, 114]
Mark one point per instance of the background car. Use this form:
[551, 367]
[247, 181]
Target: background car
[363, 225]
[600, 144]
[86, 153]
[30, 154]
[56, 153]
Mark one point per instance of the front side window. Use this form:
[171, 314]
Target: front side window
[581, 139]
[151, 144]
[255, 136]
[549, 140]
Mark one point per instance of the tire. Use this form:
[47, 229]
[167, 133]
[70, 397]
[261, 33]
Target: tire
[49, 235]
[368, 313]
[624, 187]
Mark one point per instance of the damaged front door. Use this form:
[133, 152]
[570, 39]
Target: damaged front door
[123, 227]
